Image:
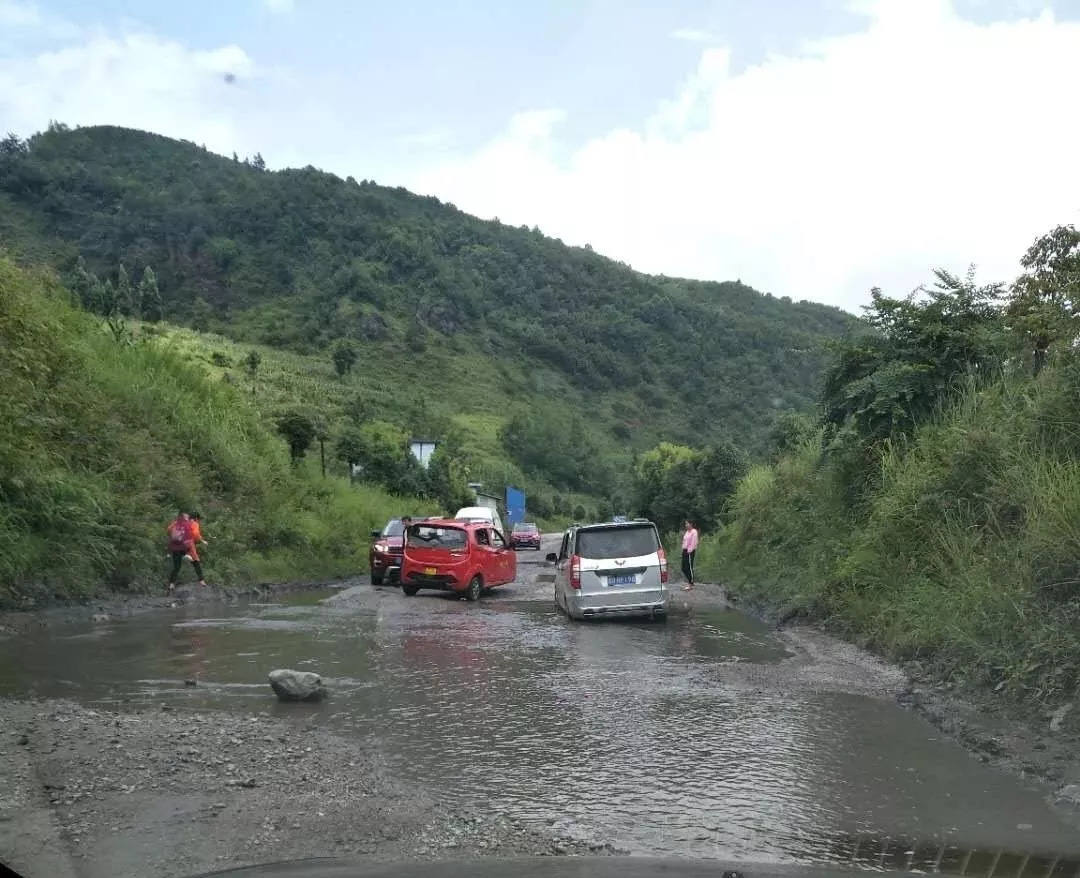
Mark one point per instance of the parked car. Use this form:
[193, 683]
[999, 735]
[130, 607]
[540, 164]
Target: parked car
[384, 556]
[481, 513]
[611, 569]
[525, 535]
[448, 554]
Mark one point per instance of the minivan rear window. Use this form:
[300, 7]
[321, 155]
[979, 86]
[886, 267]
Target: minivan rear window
[427, 537]
[617, 542]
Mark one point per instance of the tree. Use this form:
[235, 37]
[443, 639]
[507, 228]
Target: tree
[97, 303]
[380, 451]
[790, 431]
[322, 433]
[125, 295]
[650, 473]
[1043, 307]
[298, 430]
[82, 286]
[885, 382]
[344, 356]
[359, 409]
[251, 364]
[200, 314]
[448, 479]
[13, 147]
[109, 302]
[674, 483]
[150, 296]
[549, 440]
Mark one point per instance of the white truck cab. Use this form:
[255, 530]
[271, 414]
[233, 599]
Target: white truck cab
[481, 513]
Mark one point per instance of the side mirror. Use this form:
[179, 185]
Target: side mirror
[376, 533]
[552, 557]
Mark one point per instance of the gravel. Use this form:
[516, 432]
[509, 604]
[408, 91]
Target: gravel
[175, 793]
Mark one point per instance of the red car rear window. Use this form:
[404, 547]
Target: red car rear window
[427, 537]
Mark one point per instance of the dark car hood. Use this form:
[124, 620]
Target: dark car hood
[532, 867]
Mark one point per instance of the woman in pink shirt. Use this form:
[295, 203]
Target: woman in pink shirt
[689, 549]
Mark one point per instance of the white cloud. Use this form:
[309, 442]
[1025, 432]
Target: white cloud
[692, 35]
[21, 18]
[17, 14]
[429, 139]
[132, 78]
[867, 159]
[279, 5]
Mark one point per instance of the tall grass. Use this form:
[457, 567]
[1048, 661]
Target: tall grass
[964, 555]
[101, 442]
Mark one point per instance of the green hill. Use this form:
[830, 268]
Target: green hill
[474, 320]
[103, 437]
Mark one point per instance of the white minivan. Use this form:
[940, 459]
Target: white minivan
[481, 513]
[611, 569]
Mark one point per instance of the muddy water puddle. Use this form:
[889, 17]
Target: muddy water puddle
[684, 738]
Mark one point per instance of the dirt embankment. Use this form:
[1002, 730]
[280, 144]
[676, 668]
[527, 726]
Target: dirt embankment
[176, 793]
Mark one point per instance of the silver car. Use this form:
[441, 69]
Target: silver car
[612, 569]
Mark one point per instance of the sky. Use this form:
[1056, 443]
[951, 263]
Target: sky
[810, 148]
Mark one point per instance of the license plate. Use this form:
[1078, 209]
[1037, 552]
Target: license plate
[431, 571]
[623, 579]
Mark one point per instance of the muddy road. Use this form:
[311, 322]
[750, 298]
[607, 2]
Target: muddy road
[152, 745]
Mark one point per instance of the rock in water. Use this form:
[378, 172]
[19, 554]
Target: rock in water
[297, 685]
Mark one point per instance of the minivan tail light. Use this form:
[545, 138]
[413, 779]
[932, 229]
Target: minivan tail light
[663, 565]
[575, 571]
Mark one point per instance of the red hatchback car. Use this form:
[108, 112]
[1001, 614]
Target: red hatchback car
[466, 557]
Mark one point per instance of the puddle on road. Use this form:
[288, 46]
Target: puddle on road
[619, 732]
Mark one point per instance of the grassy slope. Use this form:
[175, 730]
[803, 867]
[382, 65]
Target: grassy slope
[452, 387]
[100, 442]
[964, 558]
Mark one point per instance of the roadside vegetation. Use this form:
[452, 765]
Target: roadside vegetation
[932, 511]
[105, 433]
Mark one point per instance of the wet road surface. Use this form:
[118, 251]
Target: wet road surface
[705, 736]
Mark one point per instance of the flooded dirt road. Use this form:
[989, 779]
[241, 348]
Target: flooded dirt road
[708, 735]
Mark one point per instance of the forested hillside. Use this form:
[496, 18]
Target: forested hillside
[299, 259]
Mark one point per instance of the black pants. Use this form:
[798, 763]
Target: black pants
[688, 564]
[177, 560]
